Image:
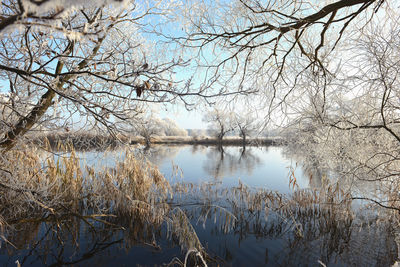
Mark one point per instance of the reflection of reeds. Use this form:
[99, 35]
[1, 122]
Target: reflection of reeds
[310, 221]
[325, 209]
[134, 199]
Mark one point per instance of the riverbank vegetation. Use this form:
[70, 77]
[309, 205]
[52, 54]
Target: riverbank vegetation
[89, 141]
[48, 188]
[95, 72]
[55, 196]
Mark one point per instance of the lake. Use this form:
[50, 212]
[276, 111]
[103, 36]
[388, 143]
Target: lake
[247, 207]
[264, 167]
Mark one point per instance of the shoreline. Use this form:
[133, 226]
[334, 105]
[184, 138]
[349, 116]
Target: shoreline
[91, 141]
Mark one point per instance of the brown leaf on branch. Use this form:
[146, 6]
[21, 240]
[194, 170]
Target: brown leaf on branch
[147, 85]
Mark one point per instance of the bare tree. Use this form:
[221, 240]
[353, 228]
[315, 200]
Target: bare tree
[363, 96]
[149, 125]
[375, 105]
[146, 125]
[356, 130]
[73, 65]
[262, 47]
[246, 124]
[147, 129]
[220, 122]
[39, 13]
[171, 128]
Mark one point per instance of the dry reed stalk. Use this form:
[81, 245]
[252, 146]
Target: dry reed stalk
[38, 190]
[29, 182]
[301, 211]
[2, 224]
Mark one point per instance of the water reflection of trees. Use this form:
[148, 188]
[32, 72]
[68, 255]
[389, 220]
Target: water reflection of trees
[313, 167]
[368, 173]
[222, 161]
[219, 161]
[157, 154]
[51, 242]
[73, 240]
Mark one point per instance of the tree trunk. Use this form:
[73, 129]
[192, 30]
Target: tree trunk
[26, 123]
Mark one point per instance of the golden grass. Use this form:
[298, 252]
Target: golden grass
[80, 141]
[134, 194]
[304, 212]
[33, 190]
[58, 184]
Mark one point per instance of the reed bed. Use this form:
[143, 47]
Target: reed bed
[62, 183]
[134, 197]
[83, 141]
[100, 142]
[308, 214]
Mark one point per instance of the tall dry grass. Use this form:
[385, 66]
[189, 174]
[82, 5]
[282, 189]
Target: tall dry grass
[59, 183]
[303, 212]
[37, 187]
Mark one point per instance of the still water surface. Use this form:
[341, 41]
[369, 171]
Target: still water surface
[255, 239]
[259, 167]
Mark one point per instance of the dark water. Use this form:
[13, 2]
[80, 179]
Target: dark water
[297, 236]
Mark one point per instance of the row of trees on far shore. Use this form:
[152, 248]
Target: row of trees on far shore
[222, 123]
